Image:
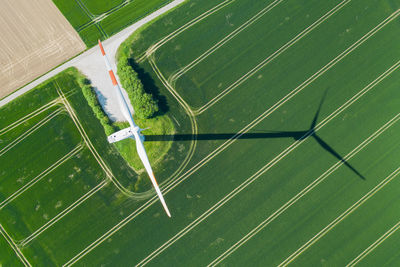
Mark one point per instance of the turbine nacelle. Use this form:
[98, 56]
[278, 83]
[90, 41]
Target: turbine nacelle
[126, 133]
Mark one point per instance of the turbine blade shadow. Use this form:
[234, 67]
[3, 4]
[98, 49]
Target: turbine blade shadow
[315, 119]
[297, 135]
[224, 136]
[328, 148]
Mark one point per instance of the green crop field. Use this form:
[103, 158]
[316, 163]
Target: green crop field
[62, 184]
[285, 151]
[94, 19]
[294, 109]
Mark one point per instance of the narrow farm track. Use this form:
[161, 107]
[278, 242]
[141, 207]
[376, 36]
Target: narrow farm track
[152, 49]
[223, 41]
[189, 112]
[290, 43]
[278, 158]
[303, 192]
[12, 244]
[89, 144]
[65, 212]
[343, 216]
[85, 9]
[96, 19]
[30, 131]
[229, 142]
[374, 245]
[43, 174]
[29, 116]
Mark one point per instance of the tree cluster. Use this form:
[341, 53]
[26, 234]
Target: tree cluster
[91, 98]
[144, 105]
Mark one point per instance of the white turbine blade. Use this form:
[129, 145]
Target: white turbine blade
[143, 156]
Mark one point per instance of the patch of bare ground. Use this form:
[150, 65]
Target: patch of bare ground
[34, 38]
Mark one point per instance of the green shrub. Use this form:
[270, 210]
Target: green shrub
[148, 106]
[93, 102]
[105, 120]
[144, 104]
[108, 129]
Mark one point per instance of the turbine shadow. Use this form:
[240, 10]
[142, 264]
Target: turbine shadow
[296, 135]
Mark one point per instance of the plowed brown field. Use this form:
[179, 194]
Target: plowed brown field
[34, 38]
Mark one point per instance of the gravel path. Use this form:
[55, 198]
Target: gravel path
[92, 65]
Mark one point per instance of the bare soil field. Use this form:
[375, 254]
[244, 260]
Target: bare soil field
[34, 38]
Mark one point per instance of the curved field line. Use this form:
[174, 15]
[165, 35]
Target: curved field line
[269, 165]
[303, 192]
[89, 144]
[17, 251]
[153, 48]
[92, 149]
[31, 130]
[288, 45]
[374, 245]
[29, 116]
[28, 185]
[222, 42]
[349, 211]
[59, 216]
[189, 112]
[217, 151]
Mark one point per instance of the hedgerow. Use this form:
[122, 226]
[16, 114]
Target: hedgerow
[144, 105]
[93, 101]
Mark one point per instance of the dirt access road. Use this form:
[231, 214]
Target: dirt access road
[34, 38]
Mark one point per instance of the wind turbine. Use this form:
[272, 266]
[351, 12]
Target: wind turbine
[296, 135]
[133, 131]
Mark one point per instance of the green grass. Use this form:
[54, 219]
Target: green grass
[37, 152]
[145, 36]
[118, 16]
[90, 35]
[21, 172]
[156, 150]
[8, 136]
[239, 56]
[129, 14]
[99, 7]
[73, 12]
[388, 247]
[52, 194]
[27, 104]
[9, 258]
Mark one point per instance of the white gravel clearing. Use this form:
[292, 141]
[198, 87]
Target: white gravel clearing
[91, 63]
